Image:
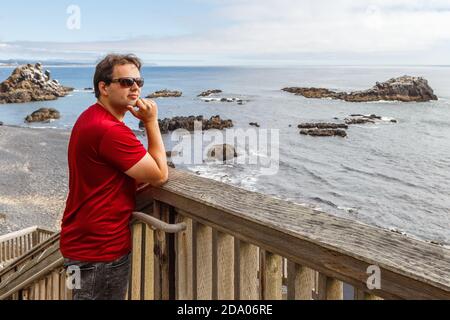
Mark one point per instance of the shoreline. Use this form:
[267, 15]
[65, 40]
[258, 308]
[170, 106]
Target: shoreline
[34, 183]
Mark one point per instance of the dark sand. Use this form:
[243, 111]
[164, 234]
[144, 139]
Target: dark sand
[33, 177]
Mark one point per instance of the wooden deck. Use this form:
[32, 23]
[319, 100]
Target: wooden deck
[222, 242]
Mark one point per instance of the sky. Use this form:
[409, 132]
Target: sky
[230, 32]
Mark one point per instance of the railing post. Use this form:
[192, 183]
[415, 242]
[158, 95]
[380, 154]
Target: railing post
[273, 276]
[184, 260]
[248, 272]
[164, 254]
[300, 282]
[330, 288]
[225, 266]
[136, 263]
[203, 239]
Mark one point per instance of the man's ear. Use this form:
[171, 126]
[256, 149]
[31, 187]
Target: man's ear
[102, 86]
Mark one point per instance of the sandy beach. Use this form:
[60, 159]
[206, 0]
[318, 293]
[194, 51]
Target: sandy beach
[34, 177]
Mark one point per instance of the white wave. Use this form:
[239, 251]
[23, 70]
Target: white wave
[83, 91]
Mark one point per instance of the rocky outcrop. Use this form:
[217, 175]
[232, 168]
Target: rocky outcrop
[223, 152]
[188, 123]
[316, 93]
[364, 119]
[43, 115]
[323, 129]
[237, 100]
[209, 92]
[165, 94]
[406, 89]
[1, 123]
[31, 83]
[322, 125]
[327, 129]
[171, 164]
[324, 132]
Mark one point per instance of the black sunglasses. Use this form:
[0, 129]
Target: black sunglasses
[129, 82]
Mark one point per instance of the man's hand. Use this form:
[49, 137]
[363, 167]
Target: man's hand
[147, 112]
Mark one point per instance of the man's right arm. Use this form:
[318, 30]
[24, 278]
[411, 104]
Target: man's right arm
[153, 167]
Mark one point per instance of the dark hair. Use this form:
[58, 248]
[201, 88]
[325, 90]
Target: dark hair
[105, 68]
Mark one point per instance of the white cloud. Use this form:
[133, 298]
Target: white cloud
[289, 27]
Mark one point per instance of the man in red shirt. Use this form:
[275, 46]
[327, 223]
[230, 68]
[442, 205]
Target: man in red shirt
[106, 162]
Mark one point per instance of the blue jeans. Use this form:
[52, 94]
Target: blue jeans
[101, 280]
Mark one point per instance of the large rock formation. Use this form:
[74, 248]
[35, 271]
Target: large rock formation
[406, 89]
[165, 94]
[188, 123]
[43, 115]
[31, 83]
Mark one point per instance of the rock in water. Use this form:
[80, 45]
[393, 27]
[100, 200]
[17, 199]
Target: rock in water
[322, 125]
[406, 89]
[165, 94]
[188, 123]
[30, 83]
[209, 92]
[222, 152]
[43, 115]
[324, 132]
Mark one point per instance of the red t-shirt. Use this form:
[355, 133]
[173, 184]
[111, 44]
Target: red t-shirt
[95, 226]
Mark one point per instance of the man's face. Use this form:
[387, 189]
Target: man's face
[119, 96]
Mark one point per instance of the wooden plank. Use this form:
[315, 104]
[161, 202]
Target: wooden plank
[35, 269]
[204, 262]
[8, 250]
[362, 295]
[42, 294]
[55, 285]
[62, 285]
[160, 243]
[164, 255]
[273, 274]
[248, 272]
[225, 266]
[337, 247]
[2, 252]
[300, 282]
[329, 288]
[136, 263]
[36, 292]
[167, 262]
[48, 287]
[149, 264]
[184, 267]
[26, 294]
[17, 234]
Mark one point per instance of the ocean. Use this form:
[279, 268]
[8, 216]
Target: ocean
[391, 175]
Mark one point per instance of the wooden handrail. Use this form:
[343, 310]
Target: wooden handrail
[226, 236]
[24, 232]
[157, 224]
[338, 248]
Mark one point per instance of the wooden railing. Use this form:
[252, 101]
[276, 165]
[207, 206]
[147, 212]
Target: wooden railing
[222, 242]
[16, 244]
[244, 245]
